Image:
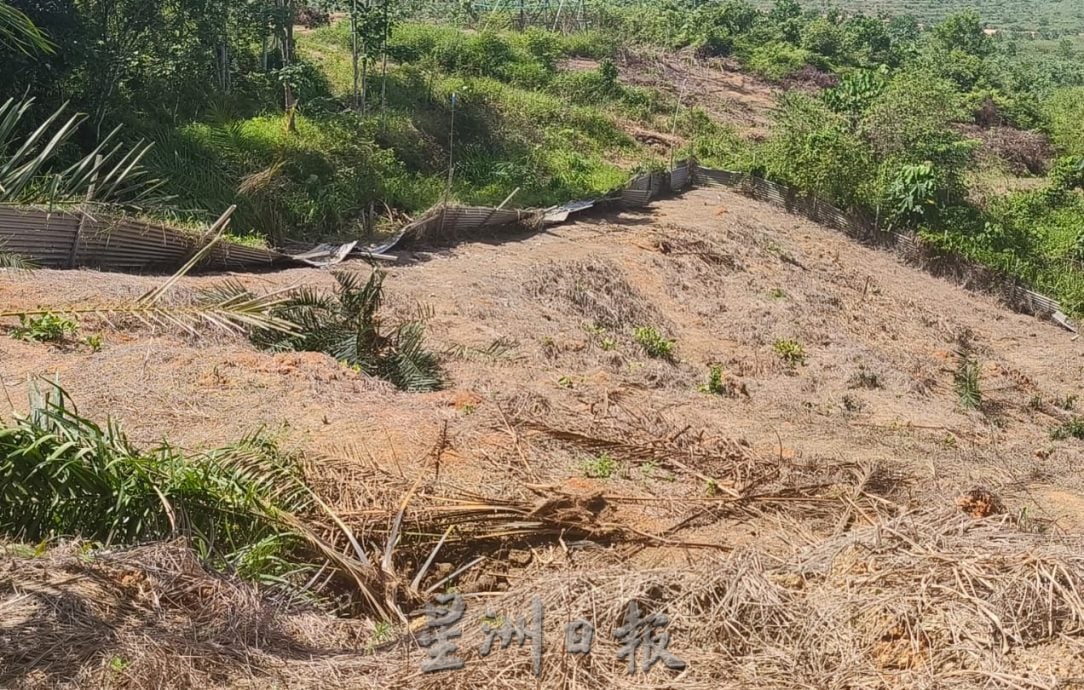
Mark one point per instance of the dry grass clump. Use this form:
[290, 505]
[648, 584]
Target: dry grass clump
[922, 601]
[597, 290]
[148, 617]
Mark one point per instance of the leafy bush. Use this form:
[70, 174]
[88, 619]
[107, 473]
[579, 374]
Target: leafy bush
[815, 150]
[790, 351]
[347, 326]
[47, 328]
[777, 61]
[1064, 112]
[914, 194]
[653, 343]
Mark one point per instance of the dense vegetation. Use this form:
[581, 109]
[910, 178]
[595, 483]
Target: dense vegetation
[1047, 17]
[314, 132]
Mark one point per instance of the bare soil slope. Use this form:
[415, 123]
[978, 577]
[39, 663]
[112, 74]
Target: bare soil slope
[820, 496]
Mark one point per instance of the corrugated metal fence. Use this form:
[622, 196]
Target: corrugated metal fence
[59, 239]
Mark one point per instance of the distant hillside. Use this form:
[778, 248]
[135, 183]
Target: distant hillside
[1061, 16]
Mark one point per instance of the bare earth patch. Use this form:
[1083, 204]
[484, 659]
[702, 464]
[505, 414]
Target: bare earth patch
[801, 527]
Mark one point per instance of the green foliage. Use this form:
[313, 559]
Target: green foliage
[914, 194]
[32, 168]
[855, 94]
[1064, 112]
[347, 326]
[1067, 174]
[815, 150]
[777, 61]
[18, 32]
[600, 467]
[591, 86]
[968, 385]
[790, 351]
[1074, 428]
[653, 343]
[716, 384]
[65, 476]
[46, 328]
[94, 342]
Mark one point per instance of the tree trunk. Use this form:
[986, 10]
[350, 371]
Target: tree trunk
[354, 49]
[287, 60]
[384, 67]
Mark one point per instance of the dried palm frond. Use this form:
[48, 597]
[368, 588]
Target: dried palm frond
[15, 262]
[230, 308]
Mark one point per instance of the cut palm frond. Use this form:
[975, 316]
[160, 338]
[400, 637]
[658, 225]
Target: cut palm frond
[229, 307]
[15, 262]
[245, 507]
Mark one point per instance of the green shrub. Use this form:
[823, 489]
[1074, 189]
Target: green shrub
[47, 328]
[777, 61]
[1074, 428]
[790, 351]
[653, 343]
[601, 467]
[1064, 112]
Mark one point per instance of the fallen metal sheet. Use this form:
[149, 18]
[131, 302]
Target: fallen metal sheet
[560, 214]
[1064, 321]
[325, 254]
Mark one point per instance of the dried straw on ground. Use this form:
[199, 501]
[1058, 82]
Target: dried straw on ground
[924, 600]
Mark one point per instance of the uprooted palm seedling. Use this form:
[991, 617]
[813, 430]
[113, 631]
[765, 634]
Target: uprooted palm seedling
[243, 507]
[347, 325]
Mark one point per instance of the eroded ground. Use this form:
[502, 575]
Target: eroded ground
[552, 403]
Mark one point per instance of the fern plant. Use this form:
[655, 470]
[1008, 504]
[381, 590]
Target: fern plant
[347, 326]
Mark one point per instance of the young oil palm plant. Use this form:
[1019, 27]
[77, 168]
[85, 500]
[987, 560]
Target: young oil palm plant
[347, 326]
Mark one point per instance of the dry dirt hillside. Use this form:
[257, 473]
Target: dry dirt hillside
[828, 516]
